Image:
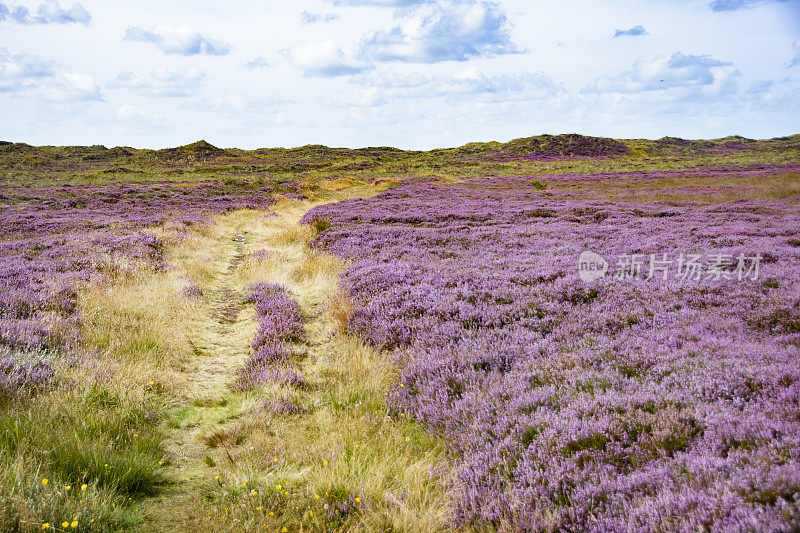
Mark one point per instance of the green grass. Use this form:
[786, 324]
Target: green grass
[72, 438]
[26, 503]
[80, 442]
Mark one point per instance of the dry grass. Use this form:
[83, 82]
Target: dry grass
[157, 352]
[345, 444]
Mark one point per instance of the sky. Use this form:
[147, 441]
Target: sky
[407, 73]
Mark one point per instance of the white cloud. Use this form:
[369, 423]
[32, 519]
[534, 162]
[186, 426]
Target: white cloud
[444, 103]
[129, 112]
[358, 97]
[323, 59]
[434, 32]
[676, 71]
[49, 12]
[133, 117]
[636, 31]
[178, 39]
[30, 76]
[469, 82]
[162, 82]
[733, 5]
[313, 18]
[467, 86]
[228, 103]
[379, 3]
[256, 63]
[20, 71]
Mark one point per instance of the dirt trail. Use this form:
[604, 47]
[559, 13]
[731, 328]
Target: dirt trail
[208, 408]
[212, 431]
[220, 345]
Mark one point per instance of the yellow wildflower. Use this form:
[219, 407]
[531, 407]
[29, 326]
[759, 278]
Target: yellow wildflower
[44, 481]
[84, 486]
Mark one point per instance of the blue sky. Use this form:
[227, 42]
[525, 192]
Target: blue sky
[406, 73]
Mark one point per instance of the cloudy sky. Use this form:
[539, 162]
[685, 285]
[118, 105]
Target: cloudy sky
[406, 73]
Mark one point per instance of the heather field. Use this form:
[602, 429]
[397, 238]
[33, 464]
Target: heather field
[557, 333]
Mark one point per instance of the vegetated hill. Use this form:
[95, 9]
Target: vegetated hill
[729, 144]
[568, 145]
[686, 146]
[200, 150]
[203, 156]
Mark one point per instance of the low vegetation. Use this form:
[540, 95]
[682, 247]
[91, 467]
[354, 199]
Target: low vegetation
[331, 339]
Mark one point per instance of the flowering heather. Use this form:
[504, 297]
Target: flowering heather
[53, 238]
[283, 405]
[19, 374]
[284, 376]
[624, 404]
[192, 292]
[280, 322]
[279, 316]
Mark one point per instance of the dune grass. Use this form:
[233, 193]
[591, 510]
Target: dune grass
[143, 431]
[100, 425]
[342, 462]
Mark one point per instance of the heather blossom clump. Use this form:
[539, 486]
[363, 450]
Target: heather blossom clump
[632, 402]
[192, 292]
[283, 405]
[280, 324]
[55, 238]
[23, 373]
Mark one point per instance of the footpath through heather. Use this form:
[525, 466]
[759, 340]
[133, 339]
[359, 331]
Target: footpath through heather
[338, 461]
